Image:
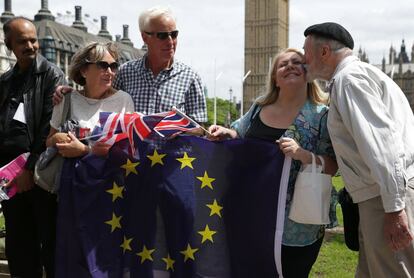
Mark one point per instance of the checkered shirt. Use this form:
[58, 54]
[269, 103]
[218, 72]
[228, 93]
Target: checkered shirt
[177, 86]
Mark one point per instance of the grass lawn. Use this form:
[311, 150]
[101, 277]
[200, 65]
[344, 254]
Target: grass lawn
[335, 259]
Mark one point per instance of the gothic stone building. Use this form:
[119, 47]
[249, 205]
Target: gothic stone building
[400, 68]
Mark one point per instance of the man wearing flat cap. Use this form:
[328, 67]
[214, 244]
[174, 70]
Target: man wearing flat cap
[372, 129]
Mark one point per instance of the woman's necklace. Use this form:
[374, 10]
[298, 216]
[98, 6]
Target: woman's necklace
[93, 101]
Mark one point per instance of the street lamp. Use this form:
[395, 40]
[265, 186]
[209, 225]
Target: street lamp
[241, 103]
[215, 98]
[230, 102]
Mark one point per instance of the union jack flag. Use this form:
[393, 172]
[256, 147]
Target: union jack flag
[174, 123]
[118, 126]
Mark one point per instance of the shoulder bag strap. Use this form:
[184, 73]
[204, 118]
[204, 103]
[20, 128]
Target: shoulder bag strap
[254, 112]
[66, 108]
[325, 114]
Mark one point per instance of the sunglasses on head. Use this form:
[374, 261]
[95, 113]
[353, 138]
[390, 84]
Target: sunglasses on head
[164, 35]
[102, 65]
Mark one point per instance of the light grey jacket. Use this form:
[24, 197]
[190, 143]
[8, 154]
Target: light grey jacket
[372, 130]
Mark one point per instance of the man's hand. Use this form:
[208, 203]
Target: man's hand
[396, 231]
[24, 181]
[60, 91]
[100, 149]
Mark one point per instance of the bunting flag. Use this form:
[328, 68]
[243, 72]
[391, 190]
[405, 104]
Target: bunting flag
[188, 207]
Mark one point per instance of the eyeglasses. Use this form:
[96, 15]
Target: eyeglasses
[164, 35]
[102, 65]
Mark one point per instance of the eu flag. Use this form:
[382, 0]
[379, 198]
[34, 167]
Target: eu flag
[187, 206]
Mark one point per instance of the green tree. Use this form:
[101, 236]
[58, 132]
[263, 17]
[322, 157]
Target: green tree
[223, 107]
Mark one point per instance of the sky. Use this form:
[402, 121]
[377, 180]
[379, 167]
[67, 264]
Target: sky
[211, 38]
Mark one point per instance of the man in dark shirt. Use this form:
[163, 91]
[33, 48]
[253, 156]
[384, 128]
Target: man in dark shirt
[25, 111]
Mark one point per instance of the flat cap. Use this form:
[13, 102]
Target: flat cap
[331, 30]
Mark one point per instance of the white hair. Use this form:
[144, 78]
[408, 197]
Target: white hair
[147, 16]
[334, 45]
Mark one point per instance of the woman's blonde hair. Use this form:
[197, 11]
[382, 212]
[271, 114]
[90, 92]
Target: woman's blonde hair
[314, 92]
[91, 53]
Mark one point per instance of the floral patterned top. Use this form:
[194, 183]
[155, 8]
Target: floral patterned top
[310, 131]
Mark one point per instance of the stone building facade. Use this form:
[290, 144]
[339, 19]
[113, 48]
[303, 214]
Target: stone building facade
[400, 68]
[58, 42]
[266, 32]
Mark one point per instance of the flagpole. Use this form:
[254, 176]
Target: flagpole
[96, 135]
[191, 120]
[242, 91]
[216, 77]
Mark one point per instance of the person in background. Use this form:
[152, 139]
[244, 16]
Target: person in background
[25, 110]
[372, 130]
[292, 113]
[157, 81]
[94, 68]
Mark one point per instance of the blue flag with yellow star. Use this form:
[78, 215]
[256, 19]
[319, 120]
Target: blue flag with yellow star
[188, 207]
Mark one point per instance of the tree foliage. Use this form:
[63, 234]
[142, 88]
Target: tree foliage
[223, 107]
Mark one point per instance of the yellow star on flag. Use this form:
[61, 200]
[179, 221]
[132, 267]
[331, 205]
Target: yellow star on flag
[116, 192]
[114, 222]
[169, 263]
[145, 254]
[126, 245]
[130, 167]
[215, 208]
[206, 180]
[207, 234]
[186, 161]
[189, 253]
[156, 158]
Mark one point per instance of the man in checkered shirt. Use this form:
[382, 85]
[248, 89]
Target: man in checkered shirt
[156, 82]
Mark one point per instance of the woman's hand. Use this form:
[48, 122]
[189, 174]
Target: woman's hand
[73, 148]
[292, 149]
[219, 133]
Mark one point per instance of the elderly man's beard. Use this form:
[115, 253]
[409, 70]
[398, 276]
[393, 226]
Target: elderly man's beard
[318, 71]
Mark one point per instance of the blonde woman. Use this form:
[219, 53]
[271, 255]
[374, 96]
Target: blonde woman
[292, 113]
[94, 68]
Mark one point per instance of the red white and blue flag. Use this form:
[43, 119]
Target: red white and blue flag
[174, 123]
[115, 127]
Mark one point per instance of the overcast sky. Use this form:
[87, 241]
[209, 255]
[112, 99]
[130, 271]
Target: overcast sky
[211, 36]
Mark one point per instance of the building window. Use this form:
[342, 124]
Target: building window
[48, 49]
